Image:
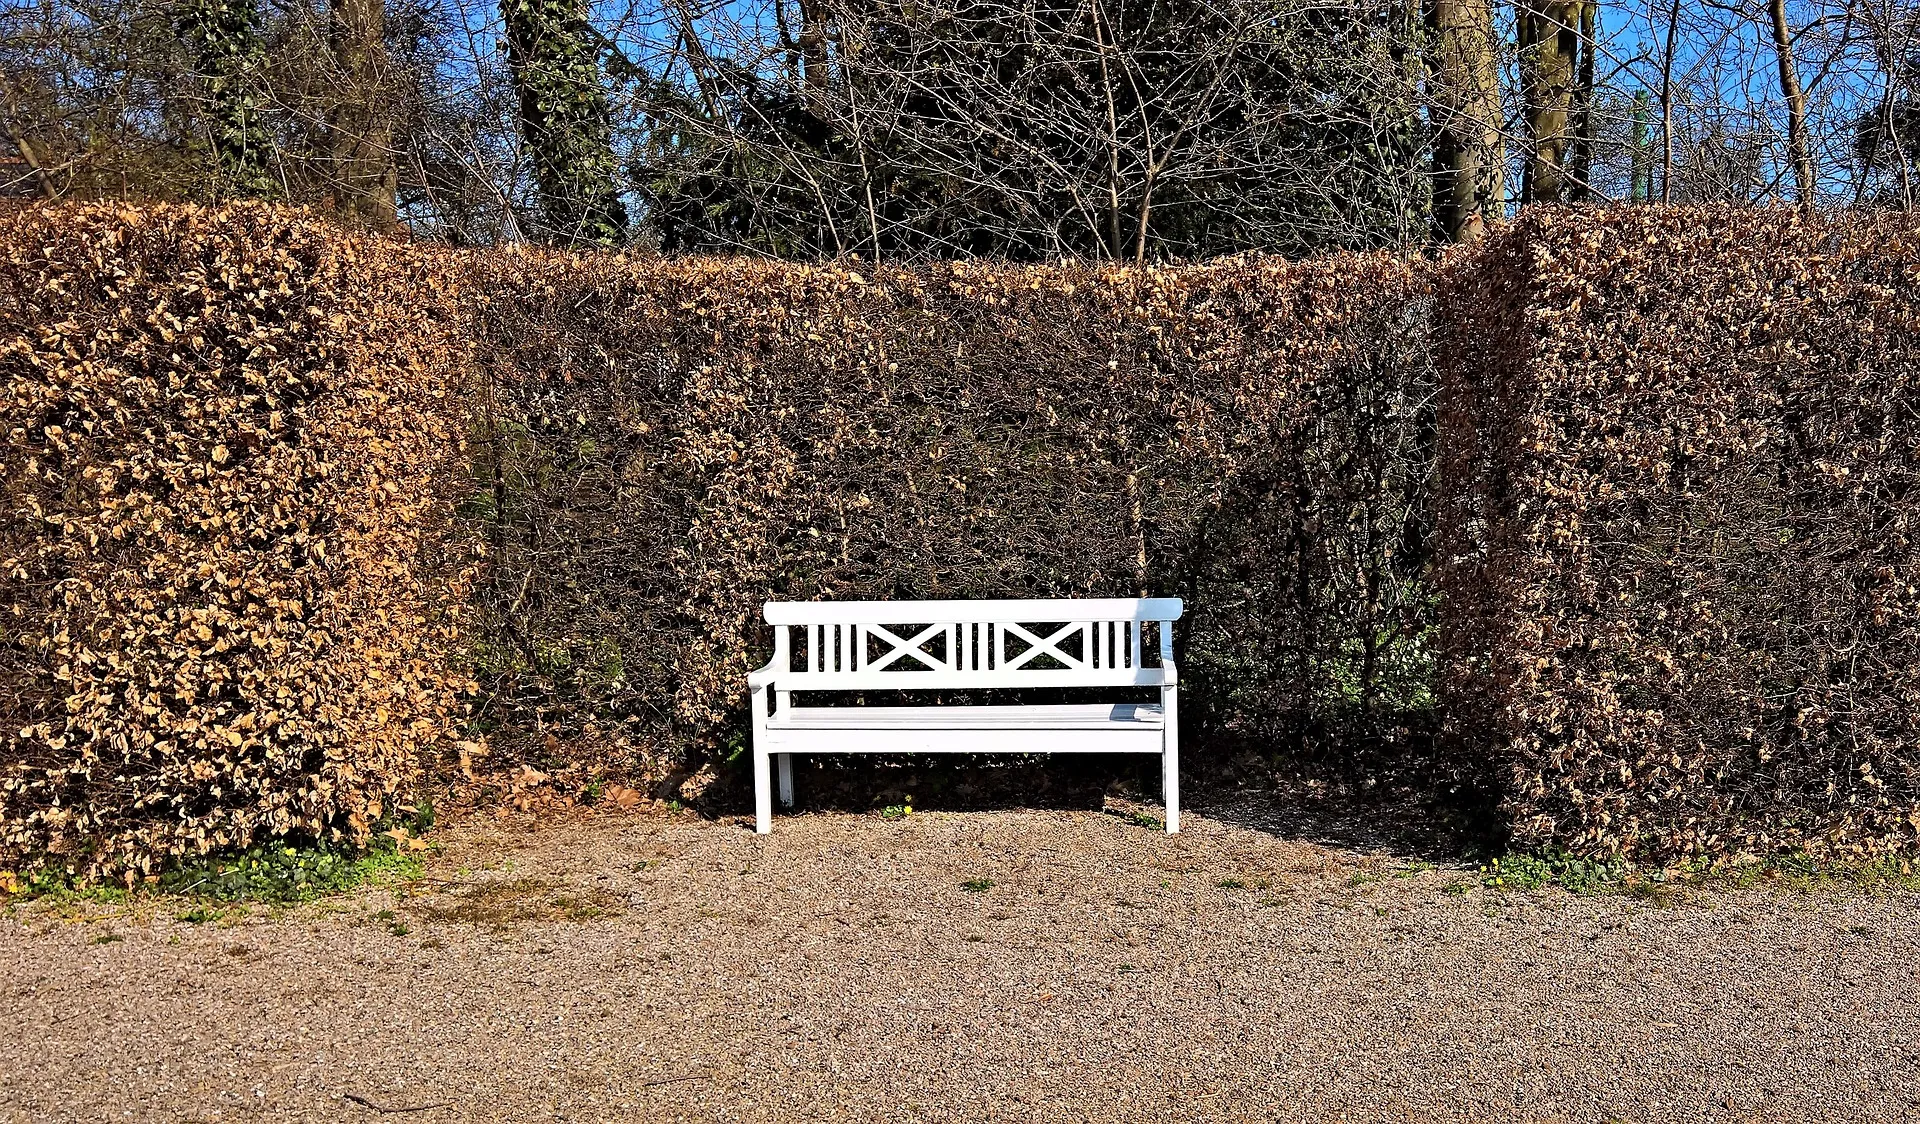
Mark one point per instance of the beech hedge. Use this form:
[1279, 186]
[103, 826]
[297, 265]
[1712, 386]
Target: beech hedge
[661, 447]
[1679, 481]
[223, 444]
[286, 514]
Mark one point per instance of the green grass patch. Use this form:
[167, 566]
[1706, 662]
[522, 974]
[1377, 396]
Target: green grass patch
[1522, 871]
[977, 885]
[276, 872]
[1614, 875]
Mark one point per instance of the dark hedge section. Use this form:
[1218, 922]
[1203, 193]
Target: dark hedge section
[662, 447]
[1680, 453]
[219, 440]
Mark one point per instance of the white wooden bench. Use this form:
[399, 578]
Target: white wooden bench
[964, 646]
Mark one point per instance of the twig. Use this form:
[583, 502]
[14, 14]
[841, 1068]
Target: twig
[365, 1103]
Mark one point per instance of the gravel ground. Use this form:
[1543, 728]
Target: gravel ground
[645, 967]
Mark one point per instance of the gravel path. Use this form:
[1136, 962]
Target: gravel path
[640, 967]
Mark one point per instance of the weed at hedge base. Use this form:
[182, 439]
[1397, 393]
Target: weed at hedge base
[1530, 871]
[1525, 871]
[273, 873]
[279, 873]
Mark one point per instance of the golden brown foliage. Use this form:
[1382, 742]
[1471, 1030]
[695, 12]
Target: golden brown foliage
[219, 445]
[1675, 507]
[1680, 473]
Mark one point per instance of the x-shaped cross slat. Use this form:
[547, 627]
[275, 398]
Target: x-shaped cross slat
[906, 647]
[1049, 646]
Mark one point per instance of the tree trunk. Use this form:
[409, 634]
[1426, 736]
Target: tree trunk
[813, 48]
[1580, 154]
[223, 40]
[1666, 104]
[1469, 155]
[565, 121]
[42, 182]
[1641, 190]
[359, 123]
[1549, 45]
[1798, 151]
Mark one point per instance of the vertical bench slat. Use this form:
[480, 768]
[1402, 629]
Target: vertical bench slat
[1133, 643]
[783, 660]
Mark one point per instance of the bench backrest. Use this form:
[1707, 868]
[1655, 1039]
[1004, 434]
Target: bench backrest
[949, 645]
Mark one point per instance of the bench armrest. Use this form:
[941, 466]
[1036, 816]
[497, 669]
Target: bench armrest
[763, 676]
[1171, 673]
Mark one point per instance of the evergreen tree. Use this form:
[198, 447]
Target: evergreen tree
[224, 43]
[565, 122]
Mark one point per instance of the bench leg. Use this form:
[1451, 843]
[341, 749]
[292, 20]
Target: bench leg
[762, 794]
[1170, 762]
[1170, 785]
[786, 778]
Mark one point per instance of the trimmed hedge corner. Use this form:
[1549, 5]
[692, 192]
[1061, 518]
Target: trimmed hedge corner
[1680, 475]
[220, 445]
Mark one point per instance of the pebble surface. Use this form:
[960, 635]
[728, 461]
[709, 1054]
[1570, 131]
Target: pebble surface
[986, 966]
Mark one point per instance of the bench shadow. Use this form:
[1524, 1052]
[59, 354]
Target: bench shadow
[1401, 804]
[958, 782]
[1330, 807]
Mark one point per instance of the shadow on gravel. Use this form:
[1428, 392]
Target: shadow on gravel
[1404, 803]
[1336, 811]
[1407, 798]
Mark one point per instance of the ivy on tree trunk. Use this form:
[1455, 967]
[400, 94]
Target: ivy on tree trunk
[565, 122]
[223, 39]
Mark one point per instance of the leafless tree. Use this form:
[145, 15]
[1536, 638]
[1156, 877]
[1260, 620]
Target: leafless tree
[1125, 129]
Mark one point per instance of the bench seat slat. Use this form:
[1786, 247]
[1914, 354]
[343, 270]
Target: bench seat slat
[1121, 738]
[1083, 716]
